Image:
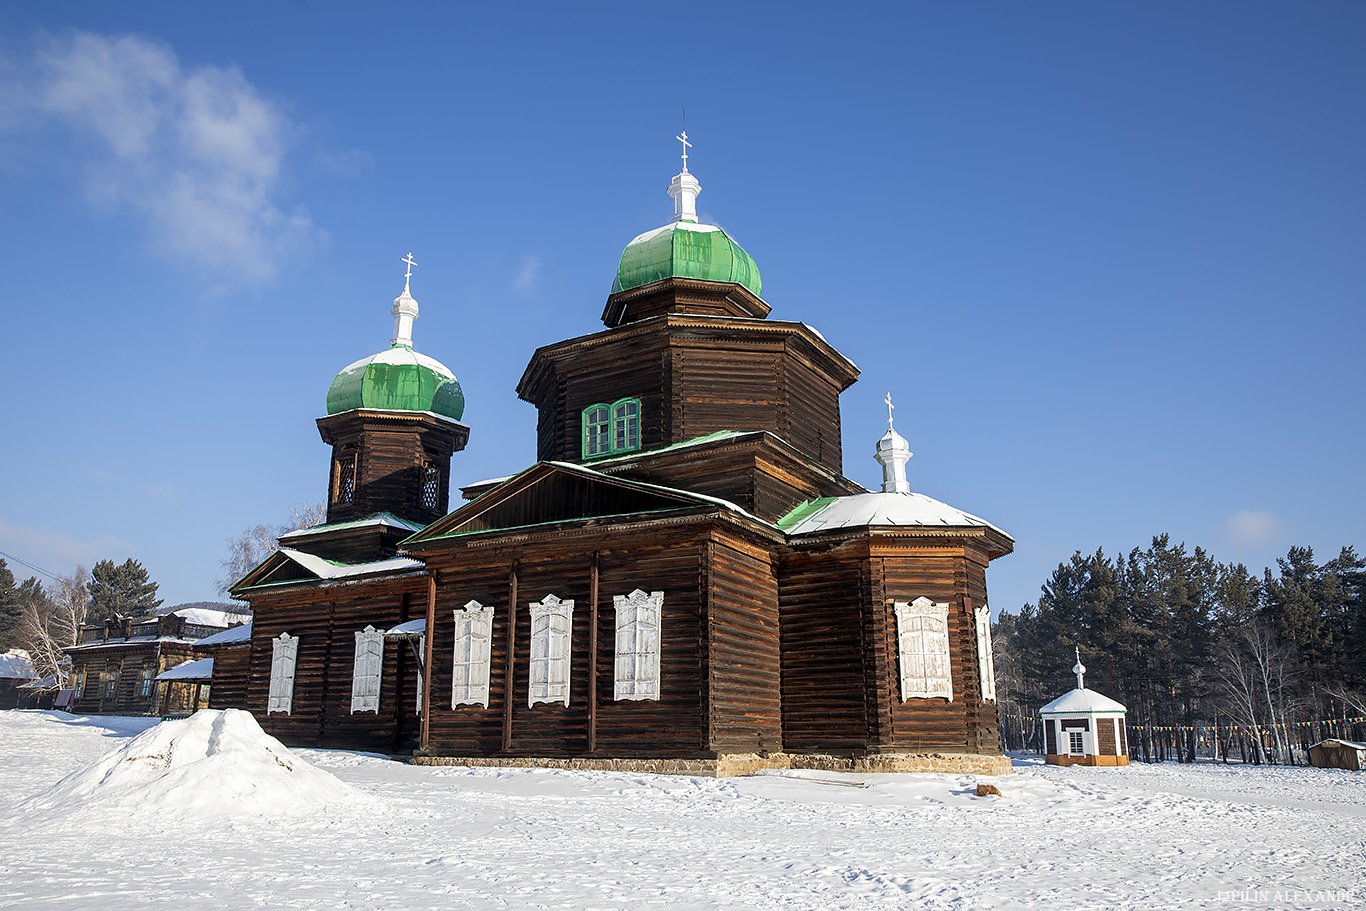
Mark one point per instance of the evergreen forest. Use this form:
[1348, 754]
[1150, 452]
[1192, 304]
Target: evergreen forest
[1211, 660]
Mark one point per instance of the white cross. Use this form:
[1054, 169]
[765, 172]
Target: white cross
[890, 406]
[683, 138]
[409, 275]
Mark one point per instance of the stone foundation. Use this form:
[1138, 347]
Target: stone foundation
[734, 764]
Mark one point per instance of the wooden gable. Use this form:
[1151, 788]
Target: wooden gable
[552, 492]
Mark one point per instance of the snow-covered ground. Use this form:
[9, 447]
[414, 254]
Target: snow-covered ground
[377, 834]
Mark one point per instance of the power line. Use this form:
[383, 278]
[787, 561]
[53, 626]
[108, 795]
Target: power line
[24, 563]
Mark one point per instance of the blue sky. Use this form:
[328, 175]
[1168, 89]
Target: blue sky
[1107, 258]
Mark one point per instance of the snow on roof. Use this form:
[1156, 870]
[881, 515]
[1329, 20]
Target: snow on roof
[412, 628]
[236, 634]
[1350, 744]
[1081, 701]
[203, 616]
[379, 519]
[212, 764]
[189, 670]
[326, 569]
[47, 683]
[877, 509]
[15, 664]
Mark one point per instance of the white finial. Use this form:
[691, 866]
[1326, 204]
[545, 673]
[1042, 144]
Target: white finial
[405, 309]
[685, 189]
[893, 452]
[1078, 669]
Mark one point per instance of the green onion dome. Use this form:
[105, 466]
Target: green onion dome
[686, 250]
[398, 379]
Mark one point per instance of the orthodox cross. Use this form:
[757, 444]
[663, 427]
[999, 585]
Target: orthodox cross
[683, 138]
[890, 406]
[408, 277]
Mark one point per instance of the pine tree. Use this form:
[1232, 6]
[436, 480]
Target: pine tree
[9, 607]
[121, 591]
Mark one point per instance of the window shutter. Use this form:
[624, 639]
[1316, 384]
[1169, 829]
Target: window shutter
[638, 645]
[284, 651]
[473, 633]
[551, 630]
[923, 649]
[986, 664]
[366, 672]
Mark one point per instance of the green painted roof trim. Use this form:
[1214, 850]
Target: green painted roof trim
[685, 250]
[398, 379]
[800, 513]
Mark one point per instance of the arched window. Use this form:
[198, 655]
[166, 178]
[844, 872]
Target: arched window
[431, 485]
[626, 425]
[611, 429]
[344, 487]
[597, 438]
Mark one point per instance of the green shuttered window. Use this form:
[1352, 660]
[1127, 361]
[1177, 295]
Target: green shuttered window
[611, 429]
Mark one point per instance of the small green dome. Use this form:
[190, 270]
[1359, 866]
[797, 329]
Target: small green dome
[398, 379]
[686, 250]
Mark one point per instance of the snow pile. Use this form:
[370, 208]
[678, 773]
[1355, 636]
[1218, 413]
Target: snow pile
[214, 763]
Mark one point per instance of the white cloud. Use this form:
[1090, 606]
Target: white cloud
[525, 282]
[1252, 528]
[57, 553]
[196, 153]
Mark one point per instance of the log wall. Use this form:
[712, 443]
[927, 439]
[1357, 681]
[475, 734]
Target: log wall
[325, 620]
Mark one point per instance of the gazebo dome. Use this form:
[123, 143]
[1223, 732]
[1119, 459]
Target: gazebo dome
[686, 250]
[398, 379]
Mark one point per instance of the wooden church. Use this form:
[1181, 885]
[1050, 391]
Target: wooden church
[684, 581]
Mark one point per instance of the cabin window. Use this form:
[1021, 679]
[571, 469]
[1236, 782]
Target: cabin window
[366, 671]
[551, 626]
[473, 634]
[345, 490]
[923, 646]
[431, 486]
[79, 688]
[421, 650]
[1077, 742]
[597, 440]
[986, 666]
[145, 682]
[611, 429]
[637, 664]
[284, 651]
[111, 684]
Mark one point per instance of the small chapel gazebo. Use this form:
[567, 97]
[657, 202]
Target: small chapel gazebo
[1082, 727]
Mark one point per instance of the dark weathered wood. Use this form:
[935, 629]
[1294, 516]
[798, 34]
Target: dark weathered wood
[507, 662]
[593, 656]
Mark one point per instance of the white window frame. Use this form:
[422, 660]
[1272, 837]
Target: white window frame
[1076, 742]
[367, 669]
[284, 655]
[470, 671]
[637, 645]
[986, 663]
[923, 649]
[552, 628]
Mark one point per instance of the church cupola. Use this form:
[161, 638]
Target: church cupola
[393, 421]
[684, 266]
[893, 452]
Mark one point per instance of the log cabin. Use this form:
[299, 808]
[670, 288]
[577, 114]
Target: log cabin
[683, 581]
